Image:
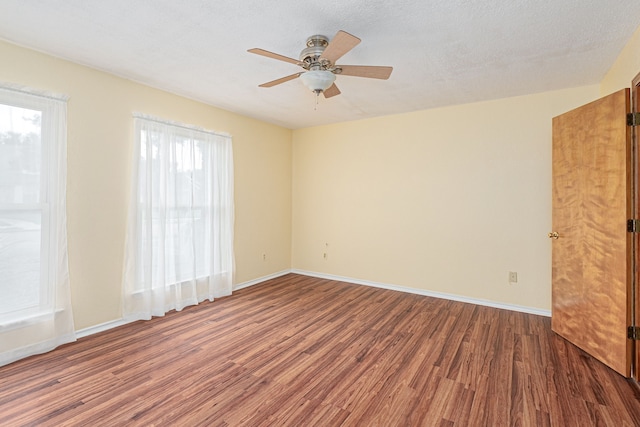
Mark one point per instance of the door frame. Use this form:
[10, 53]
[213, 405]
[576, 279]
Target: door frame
[633, 261]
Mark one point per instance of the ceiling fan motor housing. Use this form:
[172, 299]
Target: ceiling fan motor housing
[311, 54]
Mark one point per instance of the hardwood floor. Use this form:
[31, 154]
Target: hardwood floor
[302, 351]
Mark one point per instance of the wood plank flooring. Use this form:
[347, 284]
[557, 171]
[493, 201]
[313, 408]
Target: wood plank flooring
[302, 351]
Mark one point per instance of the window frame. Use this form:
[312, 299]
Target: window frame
[45, 305]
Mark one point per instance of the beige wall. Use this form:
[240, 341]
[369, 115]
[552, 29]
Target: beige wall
[624, 69]
[99, 163]
[447, 200]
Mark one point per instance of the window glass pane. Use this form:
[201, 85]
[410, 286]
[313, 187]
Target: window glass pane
[19, 260]
[20, 155]
[21, 284]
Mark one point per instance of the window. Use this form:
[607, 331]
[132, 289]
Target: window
[180, 234]
[35, 310]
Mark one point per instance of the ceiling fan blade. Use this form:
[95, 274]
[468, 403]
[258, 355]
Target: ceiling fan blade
[372, 72]
[342, 43]
[280, 80]
[274, 55]
[331, 91]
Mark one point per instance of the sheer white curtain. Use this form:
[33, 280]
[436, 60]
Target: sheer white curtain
[179, 247]
[35, 303]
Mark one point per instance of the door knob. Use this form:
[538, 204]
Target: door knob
[553, 235]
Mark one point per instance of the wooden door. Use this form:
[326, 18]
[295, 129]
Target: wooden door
[591, 275]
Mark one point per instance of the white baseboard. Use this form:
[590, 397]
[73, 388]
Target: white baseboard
[100, 328]
[119, 322]
[260, 280]
[453, 297]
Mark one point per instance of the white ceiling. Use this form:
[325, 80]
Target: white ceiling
[443, 52]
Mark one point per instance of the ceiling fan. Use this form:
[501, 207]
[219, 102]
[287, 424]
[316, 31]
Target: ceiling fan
[319, 61]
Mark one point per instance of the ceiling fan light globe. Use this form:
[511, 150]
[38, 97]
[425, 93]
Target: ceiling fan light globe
[318, 80]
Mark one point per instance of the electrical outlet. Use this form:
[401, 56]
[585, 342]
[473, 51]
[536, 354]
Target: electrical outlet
[513, 277]
[325, 256]
[264, 257]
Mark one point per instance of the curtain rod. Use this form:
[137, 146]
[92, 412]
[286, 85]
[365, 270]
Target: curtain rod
[178, 124]
[12, 87]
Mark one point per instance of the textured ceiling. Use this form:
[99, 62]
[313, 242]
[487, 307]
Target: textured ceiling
[443, 52]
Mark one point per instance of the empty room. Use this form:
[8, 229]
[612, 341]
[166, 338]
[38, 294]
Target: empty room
[337, 213]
